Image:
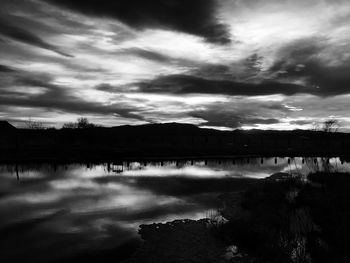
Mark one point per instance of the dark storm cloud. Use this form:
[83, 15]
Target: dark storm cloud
[43, 19]
[22, 35]
[158, 57]
[303, 60]
[146, 54]
[231, 119]
[185, 84]
[298, 62]
[214, 71]
[327, 80]
[52, 97]
[58, 100]
[5, 69]
[243, 69]
[195, 17]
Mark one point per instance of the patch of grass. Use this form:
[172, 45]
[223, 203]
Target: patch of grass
[292, 220]
[328, 197]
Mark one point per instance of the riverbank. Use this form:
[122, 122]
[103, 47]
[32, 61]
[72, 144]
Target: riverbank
[179, 241]
[282, 219]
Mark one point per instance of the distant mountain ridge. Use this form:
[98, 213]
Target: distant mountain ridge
[168, 128]
[162, 128]
[168, 140]
[6, 126]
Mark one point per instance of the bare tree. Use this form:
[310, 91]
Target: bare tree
[34, 125]
[315, 126]
[69, 125]
[331, 125]
[81, 123]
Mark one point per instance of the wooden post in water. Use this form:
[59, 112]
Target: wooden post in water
[17, 174]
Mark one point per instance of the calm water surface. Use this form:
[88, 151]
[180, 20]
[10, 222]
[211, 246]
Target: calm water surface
[92, 212]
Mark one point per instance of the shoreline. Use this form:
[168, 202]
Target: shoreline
[251, 215]
[143, 159]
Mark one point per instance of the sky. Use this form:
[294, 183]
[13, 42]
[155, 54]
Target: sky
[224, 64]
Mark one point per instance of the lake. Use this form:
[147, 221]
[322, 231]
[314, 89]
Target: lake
[92, 212]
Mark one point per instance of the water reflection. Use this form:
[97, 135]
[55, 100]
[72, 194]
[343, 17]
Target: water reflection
[241, 167]
[74, 212]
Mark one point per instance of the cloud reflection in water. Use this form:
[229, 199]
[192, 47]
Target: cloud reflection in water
[67, 211]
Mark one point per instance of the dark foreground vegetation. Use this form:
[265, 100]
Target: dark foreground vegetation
[282, 219]
[86, 142]
[290, 220]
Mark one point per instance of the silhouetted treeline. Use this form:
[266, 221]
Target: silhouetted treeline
[164, 140]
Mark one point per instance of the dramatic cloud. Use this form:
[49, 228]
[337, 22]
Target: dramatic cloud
[214, 63]
[22, 35]
[236, 113]
[182, 84]
[195, 17]
[5, 69]
[50, 96]
[309, 61]
[228, 119]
